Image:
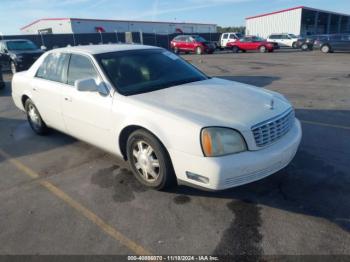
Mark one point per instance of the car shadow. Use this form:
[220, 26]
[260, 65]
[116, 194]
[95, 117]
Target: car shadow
[317, 181]
[260, 81]
[17, 139]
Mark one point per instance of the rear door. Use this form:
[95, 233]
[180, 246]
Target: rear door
[224, 40]
[337, 43]
[46, 88]
[87, 115]
[346, 42]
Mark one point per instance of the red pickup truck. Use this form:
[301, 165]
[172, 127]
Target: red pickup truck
[251, 43]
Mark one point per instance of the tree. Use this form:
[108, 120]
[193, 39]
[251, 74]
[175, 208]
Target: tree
[238, 29]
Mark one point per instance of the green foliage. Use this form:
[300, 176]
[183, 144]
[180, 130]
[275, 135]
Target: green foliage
[238, 29]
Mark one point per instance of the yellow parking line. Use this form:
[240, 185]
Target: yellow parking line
[108, 229]
[324, 124]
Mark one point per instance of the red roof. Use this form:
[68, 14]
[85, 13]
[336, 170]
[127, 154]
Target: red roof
[107, 20]
[277, 12]
[294, 8]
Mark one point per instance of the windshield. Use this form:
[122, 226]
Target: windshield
[239, 35]
[141, 71]
[199, 38]
[258, 39]
[21, 45]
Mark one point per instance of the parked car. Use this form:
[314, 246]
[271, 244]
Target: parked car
[20, 53]
[284, 40]
[226, 38]
[307, 43]
[332, 43]
[192, 43]
[154, 109]
[251, 43]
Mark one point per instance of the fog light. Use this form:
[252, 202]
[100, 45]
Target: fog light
[198, 178]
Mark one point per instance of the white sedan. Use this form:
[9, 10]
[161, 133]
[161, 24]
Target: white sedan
[173, 123]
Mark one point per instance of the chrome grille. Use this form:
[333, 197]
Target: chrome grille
[269, 131]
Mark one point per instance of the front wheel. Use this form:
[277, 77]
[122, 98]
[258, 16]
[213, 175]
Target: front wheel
[176, 50]
[295, 45]
[35, 121]
[262, 49]
[149, 160]
[199, 50]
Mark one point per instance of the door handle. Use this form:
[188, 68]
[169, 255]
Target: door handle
[68, 99]
[34, 89]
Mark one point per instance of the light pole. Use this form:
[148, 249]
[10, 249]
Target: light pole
[42, 38]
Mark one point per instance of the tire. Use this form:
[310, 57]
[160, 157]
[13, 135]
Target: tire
[35, 121]
[235, 49]
[149, 161]
[294, 45]
[262, 49]
[176, 50]
[326, 49]
[199, 50]
[187, 52]
[305, 47]
[13, 67]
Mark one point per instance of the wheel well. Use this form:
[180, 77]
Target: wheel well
[24, 99]
[126, 132]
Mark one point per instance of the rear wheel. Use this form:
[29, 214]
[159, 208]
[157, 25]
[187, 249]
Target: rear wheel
[262, 49]
[326, 49]
[304, 47]
[199, 50]
[149, 160]
[235, 49]
[34, 118]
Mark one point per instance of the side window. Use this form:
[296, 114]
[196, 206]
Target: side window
[232, 36]
[285, 37]
[225, 36]
[80, 67]
[54, 67]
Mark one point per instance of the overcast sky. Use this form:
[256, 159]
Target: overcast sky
[15, 14]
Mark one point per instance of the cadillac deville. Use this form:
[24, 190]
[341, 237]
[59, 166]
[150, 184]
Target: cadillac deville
[173, 123]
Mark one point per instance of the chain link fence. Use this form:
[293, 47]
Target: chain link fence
[51, 41]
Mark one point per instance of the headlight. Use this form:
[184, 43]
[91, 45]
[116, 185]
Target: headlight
[219, 141]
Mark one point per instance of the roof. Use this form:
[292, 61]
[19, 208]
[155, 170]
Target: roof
[294, 8]
[108, 20]
[100, 49]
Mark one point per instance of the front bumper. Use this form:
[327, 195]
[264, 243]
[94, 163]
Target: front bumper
[238, 169]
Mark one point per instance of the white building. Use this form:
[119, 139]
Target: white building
[299, 20]
[78, 26]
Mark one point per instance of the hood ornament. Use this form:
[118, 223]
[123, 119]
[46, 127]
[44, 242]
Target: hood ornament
[272, 104]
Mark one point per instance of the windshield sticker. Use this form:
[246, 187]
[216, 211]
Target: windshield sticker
[170, 55]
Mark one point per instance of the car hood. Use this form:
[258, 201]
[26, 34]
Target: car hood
[216, 102]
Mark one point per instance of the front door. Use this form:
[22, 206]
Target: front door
[87, 115]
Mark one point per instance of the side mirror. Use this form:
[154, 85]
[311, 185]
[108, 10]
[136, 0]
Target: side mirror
[44, 48]
[90, 85]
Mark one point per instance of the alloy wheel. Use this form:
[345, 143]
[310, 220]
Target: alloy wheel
[146, 161]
